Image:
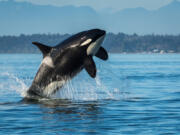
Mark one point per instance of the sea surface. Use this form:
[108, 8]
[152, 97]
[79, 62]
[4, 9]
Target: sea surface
[133, 94]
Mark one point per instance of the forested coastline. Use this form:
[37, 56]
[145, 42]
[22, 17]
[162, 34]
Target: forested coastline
[114, 43]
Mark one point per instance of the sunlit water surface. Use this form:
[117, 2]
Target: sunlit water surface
[132, 94]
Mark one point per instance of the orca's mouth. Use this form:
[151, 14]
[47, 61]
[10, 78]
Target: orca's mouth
[95, 34]
[100, 34]
[94, 46]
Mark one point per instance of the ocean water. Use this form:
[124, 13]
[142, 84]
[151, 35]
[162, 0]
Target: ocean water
[133, 94]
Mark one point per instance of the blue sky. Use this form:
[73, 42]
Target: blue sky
[106, 4]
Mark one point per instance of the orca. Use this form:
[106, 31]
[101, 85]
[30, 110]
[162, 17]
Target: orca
[62, 62]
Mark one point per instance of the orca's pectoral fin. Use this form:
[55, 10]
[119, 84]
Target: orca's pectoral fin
[102, 54]
[90, 66]
[43, 48]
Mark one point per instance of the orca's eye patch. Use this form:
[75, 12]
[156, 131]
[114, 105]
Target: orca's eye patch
[86, 42]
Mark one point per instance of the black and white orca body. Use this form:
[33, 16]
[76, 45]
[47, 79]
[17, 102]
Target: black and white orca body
[62, 62]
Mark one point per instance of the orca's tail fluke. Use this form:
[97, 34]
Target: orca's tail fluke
[43, 48]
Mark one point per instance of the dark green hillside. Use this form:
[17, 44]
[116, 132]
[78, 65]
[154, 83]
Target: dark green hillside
[115, 43]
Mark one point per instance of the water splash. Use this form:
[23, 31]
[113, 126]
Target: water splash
[103, 88]
[13, 84]
[82, 88]
[88, 90]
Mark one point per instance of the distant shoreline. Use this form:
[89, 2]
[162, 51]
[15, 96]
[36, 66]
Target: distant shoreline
[113, 43]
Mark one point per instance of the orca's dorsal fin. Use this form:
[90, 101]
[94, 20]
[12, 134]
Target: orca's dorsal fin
[102, 54]
[90, 66]
[43, 48]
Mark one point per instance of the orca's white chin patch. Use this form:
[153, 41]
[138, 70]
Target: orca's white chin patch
[94, 47]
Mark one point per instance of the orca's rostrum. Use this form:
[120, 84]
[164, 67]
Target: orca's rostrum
[64, 61]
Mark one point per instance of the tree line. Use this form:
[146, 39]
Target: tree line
[114, 43]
